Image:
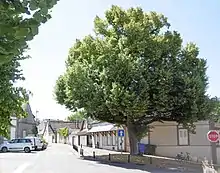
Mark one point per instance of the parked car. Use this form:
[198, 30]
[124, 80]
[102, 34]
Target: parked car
[20, 144]
[37, 142]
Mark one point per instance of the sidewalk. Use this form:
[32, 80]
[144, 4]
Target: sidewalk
[161, 162]
[88, 151]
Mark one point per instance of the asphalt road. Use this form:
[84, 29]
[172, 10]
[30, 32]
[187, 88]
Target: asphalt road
[61, 158]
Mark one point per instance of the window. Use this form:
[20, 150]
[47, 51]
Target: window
[15, 140]
[183, 137]
[29, 141]
[21, 141]
[109, 139]
[12, 141]
[24, 133]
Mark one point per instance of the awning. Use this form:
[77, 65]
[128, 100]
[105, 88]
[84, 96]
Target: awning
[104, 128]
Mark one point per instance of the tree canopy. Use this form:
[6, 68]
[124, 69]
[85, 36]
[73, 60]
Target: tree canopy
[77, 116]
[11, 98]
[20, 21]
[135, 70]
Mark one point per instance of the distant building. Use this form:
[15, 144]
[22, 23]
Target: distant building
[48, 129]
[25, 126]
[102, 135]
[22, 127]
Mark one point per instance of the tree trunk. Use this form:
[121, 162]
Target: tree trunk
[133, 140]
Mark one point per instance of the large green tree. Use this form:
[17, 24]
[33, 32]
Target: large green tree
[134, 71]
[12, 98]
[20, 21]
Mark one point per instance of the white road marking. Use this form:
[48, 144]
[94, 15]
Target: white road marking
[21, 168]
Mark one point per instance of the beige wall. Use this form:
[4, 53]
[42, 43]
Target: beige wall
[164, 135]
[83, 140]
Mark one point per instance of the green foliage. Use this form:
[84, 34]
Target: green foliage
[44, 141]
[214, 109]
[11, 98]
[20, 21]
[133, 72]
[77, 116]
[64, 132]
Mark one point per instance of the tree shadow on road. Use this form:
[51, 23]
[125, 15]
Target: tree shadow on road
[147, 167]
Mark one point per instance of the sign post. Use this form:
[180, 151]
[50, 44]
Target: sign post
[121, 134]
[213, 136]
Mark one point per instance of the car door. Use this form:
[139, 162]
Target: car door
[13, 145]
[21, 144]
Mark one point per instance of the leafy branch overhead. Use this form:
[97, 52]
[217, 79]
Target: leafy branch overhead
[20, 21]
[135, 71]
[12, 98]
[77, 116]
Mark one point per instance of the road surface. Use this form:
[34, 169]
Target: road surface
[61, 158]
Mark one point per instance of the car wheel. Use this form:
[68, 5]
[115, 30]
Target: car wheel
[27, 150]
[4, 149]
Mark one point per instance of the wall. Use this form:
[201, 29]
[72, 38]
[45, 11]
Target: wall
[115, 143]
[83, 140]
[144, 140]
[164, 135]
[13, 127]
[21, 127]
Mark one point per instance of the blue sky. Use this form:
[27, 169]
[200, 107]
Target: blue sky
[196, 20]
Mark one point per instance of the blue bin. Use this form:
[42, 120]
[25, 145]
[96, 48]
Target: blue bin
[141, 148]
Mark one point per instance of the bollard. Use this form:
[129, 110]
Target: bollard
[109, 157]
[94, 154]
[129, 158]
[81, 151]
[151, 161]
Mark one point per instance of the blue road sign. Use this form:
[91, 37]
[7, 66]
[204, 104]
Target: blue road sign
[121, 133]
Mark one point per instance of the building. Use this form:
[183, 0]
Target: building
[49, 128]
[25, 126]
[171, 139]
[102, 135]
[22, 127]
